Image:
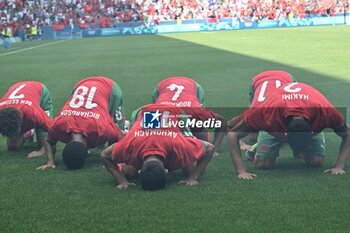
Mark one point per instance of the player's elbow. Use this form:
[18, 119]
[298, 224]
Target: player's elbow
[210, 148]
[104, 155]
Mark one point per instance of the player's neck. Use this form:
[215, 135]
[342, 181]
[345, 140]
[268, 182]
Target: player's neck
[78, 137]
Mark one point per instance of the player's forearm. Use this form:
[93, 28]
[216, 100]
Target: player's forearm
[202, 162]
[114, 170]
[50, 150]
[220, 134]
[41, 140]
[344, 153]
[234, 149]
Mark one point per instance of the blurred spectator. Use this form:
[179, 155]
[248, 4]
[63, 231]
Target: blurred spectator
[18, 14]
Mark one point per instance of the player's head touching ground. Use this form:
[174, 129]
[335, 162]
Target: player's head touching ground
[152, 174]
[299, 133]
[10, 121]
[74, 155]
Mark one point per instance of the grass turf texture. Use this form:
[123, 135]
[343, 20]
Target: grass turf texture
[290, 198]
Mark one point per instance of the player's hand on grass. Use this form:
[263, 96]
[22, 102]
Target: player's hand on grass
[125, 185]
[244, 146]
[46, 166]
[335, 171]
[189, 182]
[246, 175]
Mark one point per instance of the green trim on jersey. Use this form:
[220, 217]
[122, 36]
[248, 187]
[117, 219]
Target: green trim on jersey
[200, 94]
[186, 131]
[46, 105]
[293, 78]
[155, 94]
[134, 115]
[251, 93]
[204, 145]
[116, 106]
[46, 101]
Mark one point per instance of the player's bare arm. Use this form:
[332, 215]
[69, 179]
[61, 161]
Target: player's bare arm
[344, 151]
[200, 165]
[237, 132]
[112, 168]
[41, 145]
[219, 132]
[231, 123]
[50, 150]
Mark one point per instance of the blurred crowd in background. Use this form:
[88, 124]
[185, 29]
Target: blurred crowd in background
[30, 16]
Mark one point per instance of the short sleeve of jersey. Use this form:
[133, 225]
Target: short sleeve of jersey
[46, 101]
[335, 120]
[200, 94]
[155, 94]
[251, 94]
[134, 115]
[252, 118]
[116, 106]
[40, 119]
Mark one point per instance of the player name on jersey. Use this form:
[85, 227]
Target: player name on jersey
[80, 113]
[178, 104]
[158, 132]
[295, 96]
[16, 101]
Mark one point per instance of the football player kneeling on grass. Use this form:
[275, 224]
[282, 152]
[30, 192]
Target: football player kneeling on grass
[263, 84]
[152, 148]
[296, 114]
[188, 95]
[87, 120]
[25, 106]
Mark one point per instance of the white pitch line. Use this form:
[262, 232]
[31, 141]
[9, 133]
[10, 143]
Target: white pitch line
[30, 48]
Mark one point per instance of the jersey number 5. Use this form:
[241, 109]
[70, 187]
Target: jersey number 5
[79, 95]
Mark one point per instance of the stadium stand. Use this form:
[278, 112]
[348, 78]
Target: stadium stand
[21, 18]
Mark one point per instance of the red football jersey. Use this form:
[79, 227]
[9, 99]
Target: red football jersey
[293, 99]
[86, 112]
[177, 150]
[184, 93]
[266, 83]
[181, 91]
[25, 96]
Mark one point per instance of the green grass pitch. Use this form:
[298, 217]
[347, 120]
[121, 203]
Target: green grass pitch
[290, 198]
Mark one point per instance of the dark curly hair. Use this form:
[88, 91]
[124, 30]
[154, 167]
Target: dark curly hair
[152, 175]
[10, 121]
[74, 155]
[299, 134]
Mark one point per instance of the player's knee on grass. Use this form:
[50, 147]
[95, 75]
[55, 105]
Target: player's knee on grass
[263, 163]
[74, 155]
[313, 160]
